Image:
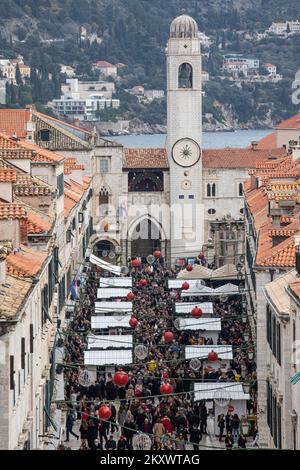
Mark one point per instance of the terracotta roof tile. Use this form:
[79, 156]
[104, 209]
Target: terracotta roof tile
[282, 255]
[268, 142]
[26, 262]
[69, 204]
[295, 288]
[291, 123]
[8, 176]
[12, 212]
[43, 155]
[16, 154]
[13, 295]
[239, 158]
[13, 121]
[37, 224]
[145, 158]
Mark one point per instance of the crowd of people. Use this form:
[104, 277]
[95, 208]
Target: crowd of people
[174, 421]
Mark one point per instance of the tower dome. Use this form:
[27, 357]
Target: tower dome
[184, 27]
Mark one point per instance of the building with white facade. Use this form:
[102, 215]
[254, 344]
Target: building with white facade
[284, 28]
[83, 100]
[105, 69]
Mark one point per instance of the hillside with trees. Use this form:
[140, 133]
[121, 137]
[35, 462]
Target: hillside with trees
[135, 32]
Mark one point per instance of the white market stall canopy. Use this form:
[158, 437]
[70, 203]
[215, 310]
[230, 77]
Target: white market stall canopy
[117, 270]
[110, 341]
[104, 323]
[113, 307]
[228, 271]
[112, 293]
[115, 282]
[194, 324]
[207, 391]
[177, 283]
[201, 352]
[109, 357]
[187, 307]
[226, 289]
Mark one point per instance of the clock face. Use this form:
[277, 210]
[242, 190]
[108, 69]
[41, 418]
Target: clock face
[186, 152]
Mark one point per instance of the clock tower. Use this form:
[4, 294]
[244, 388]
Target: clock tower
[184, 139]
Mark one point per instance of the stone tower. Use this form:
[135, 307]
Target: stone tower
[184, 139]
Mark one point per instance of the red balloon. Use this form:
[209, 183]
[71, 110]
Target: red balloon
[168, 337]
[201, 255]
[130, 296]
[212, 356]
[197, 312]
[104, 413]
[121, 378]
[166, 389]
[231, 409]
[133, 322]
[136, 263]
[165, 375]
[143, 283]
[189, 268]
[185, 286]
[157, 254]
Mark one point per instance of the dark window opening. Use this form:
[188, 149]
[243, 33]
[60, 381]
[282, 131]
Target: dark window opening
[185, 76]
[44, 135]
[145, 181]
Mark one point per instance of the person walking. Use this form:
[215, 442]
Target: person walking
[235, 427]
[221, 425]
[242, 441]
[195, 437]
[69, 425]
[203, 418]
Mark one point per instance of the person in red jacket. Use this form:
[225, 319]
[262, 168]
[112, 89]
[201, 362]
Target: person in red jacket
[167, 424]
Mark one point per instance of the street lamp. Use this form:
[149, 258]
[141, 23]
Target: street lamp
[246, 337]
[246, 388]
[250, 354]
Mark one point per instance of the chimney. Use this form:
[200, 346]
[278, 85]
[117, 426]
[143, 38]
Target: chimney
[23, 231]
[254, 145]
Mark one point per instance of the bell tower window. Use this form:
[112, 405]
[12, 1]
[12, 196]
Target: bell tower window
[185, 76]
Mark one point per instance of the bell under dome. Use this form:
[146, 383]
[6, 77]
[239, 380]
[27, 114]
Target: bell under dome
[184, 27]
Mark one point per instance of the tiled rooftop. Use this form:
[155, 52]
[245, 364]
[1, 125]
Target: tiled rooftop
[291, 123]
[12, 211]
[26, 262]
[145, 158]
[14, 121]
[13, 295]
[8, 176]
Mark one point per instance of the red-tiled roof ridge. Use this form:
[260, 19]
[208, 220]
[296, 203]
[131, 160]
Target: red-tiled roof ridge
[282, 255]
[26, 262]
[8, 175]
[12, 211]
[14, 121]
[291, 123]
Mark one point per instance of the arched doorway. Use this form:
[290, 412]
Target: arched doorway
[144, 239]
[105, 250]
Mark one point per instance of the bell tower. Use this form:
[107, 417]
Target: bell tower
[184, 139]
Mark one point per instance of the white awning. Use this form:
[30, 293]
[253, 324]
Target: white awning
[194, 324]
[110, 341]
[112, 293]
[228, 271]
[103, 323]
[206, 391]
[226, 289]
[111, 307]
[201, 352]
[117, 270]
[187, 307]
[115, 282]
[109, 357]
[177, 283]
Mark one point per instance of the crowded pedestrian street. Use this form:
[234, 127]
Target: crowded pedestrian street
[150, 366]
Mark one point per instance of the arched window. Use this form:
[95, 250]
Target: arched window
[241, 189]
[208, 191]
[185, 76]
[103, 201]
[213, 190]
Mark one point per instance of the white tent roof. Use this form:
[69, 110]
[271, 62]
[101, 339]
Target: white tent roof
[187, 307]
[111, 307]
[194, 324]
[201, 352]
[110, 341]
[228, 271]
[206, 391]
[112, 293]
[108, 357]
[115, 282]
[103, 323]
[177, 283]
[227, 289]
[117, 270]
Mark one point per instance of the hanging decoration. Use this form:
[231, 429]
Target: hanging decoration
[143, 283]
[150, 259]
[195, 364]
[141, 442]
[130, 296]
[133, 322]
[136, 263]
[189, 268]
[212, 356]
[104, 413]
[185, 286]
[166, 389]
[85, 378]
[121, 378]
[141, 351]
[168, 336]
[197, 312]
[201, 255]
